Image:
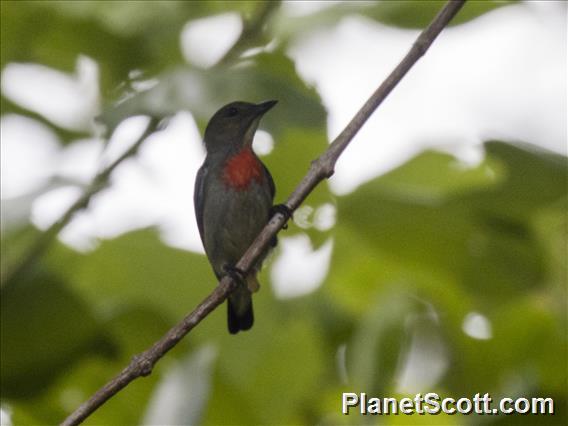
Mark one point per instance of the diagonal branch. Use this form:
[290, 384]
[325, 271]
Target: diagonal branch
[321, 168]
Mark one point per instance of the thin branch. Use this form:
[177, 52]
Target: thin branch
[99, 182]
[322, 168]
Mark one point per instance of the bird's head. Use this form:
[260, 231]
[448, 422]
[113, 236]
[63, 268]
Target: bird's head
[233, 126]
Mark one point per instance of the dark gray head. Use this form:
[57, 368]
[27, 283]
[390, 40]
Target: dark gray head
[233, 126]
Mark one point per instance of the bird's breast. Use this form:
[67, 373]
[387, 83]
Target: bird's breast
[241, 169]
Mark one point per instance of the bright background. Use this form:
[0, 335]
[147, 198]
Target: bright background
[433, 260]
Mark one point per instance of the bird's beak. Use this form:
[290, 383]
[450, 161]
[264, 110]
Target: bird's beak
[256, 114]
[263, 107]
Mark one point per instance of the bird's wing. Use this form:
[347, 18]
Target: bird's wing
[272, 187]
[270, 181]
[199, 197]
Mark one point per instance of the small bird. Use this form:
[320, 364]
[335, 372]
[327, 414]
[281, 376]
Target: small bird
[233, 201]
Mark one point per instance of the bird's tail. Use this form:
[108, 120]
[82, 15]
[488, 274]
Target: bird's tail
[239, 310]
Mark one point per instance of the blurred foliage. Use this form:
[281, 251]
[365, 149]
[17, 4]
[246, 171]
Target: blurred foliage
[414, 251]
[406, 14]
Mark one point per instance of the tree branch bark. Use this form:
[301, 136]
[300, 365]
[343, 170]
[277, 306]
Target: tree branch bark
[321, 168]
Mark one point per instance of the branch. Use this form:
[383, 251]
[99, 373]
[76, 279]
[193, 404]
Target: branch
[321, 168]
[99, 182]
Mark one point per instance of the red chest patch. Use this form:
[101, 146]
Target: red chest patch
[242, 169]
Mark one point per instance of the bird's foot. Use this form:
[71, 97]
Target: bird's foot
[284, 210]
[235, 273]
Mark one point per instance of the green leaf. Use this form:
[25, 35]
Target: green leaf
[525, 353]
[432, 177]
[263, 77]
[376, 345]
[406, 14]
[534, 179]
[471, 224]
[291, 159]
[138, 270]
[132, 331]
[273, 372]
[462, 240]
[58, 39]
[15, 243]
[419, 13]
[551, 230]
[45, 328]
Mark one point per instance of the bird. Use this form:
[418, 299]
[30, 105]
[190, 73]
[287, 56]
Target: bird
[233, 198]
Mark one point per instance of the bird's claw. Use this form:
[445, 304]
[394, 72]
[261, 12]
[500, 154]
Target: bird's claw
[284, 210]
[235, 273]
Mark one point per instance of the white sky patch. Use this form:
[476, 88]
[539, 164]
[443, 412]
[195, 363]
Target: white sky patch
[182, 393]
[125, 206]
[477, 326]
[325, 217]
[175, 158]
[205, 41]
[5, 416]
[302, 216]
[322, 218]
[49, 207]
[67, 100]
[123, 137]
[306, 7]
[79, 161]
[253, 51]
[425, 363]
[299, 269]
[502, 75]
[28, 155]
[263, 143]
[139, 83]
[155, 188]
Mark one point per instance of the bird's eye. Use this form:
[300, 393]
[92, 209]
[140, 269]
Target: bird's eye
[231, 112]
